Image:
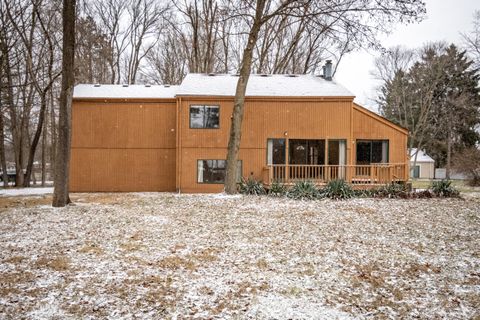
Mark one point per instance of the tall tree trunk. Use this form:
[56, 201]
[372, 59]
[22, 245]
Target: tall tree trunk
[239, 102]
[449, 152]
[53, 134]
[36, 139]
[44, 149]
[16, 127]
[61, 193]
[3, 160]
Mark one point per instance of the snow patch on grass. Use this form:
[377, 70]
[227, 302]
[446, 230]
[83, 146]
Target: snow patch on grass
[25, 191]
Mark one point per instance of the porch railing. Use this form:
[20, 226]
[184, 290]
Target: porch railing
[378, 173]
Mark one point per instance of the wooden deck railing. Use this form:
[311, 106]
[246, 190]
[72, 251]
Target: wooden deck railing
[378, 173]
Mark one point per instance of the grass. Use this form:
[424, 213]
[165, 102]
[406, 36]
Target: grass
[461, 185]
[201, 256]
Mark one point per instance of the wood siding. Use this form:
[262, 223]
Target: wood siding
[263, 119]
[149, 145]
[367, 125]
[123, 146]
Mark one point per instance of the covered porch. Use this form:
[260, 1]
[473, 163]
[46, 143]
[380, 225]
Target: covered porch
[324, 160]
[361, 175]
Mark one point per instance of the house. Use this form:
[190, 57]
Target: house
[423, 167]
[174, 138]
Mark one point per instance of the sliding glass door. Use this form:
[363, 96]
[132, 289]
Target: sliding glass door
[337, 159]
[307, 152]
[372, 151]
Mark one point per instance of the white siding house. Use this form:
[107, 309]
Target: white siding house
[424, 167]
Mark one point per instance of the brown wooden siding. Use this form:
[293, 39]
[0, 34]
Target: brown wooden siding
[263, 119]
[120, 146]
[149, 146]
[369, 126]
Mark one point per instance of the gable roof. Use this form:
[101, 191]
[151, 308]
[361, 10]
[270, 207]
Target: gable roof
[112, 91]
[421, 156]
[271, 85]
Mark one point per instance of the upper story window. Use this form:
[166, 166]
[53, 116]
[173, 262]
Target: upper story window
[204, 117]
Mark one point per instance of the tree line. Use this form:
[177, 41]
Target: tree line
[434, 92]
[149, 41]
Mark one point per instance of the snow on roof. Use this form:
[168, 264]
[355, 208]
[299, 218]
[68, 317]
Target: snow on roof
[196, 84]
[124, 91]
[421, 156]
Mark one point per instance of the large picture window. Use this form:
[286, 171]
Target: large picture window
[213, 171]
[204, 117]
[372, 151]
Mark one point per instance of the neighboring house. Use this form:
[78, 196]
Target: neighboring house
[423, 167]
[167, 138]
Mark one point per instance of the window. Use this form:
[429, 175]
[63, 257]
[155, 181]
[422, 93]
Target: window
[276, 151]
[213, 171]
[204, 117]
[372, 151]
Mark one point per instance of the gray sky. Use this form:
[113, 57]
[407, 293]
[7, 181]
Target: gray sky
[444, 22]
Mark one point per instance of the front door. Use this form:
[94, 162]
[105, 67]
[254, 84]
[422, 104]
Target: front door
[415, 172]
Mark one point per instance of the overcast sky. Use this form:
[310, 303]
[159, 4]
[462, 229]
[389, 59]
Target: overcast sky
[445, 20]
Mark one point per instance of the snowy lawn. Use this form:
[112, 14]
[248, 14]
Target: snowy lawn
[162, 256]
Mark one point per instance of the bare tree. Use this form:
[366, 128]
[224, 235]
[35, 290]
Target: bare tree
[145, 19]
[166, 63]
[93, 53]
[361, 20]
[3, 160]
[109, 15]
[472, 40]
[61, 188]
[468, 162]
[41, 82]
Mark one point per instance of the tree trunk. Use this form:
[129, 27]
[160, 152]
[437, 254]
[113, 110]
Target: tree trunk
[36, 139]
[53, 134]
[61, 193]
[449, 152]
[239, 102]
[44, 150]
[3, 160]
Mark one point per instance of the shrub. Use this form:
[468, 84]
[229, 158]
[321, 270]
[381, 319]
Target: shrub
[364, 193]
[338, 189]
[392, 190]
[277, 189]
[251, 186]
[444, 188]
[303, 190]
[422, 194]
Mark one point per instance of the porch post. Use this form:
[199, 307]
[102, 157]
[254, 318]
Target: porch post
[328, 171]
[287, 160]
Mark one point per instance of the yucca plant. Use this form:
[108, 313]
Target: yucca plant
[338, 189]
[303, 190]
[277, 189]
[251, 186]
[444, 188]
